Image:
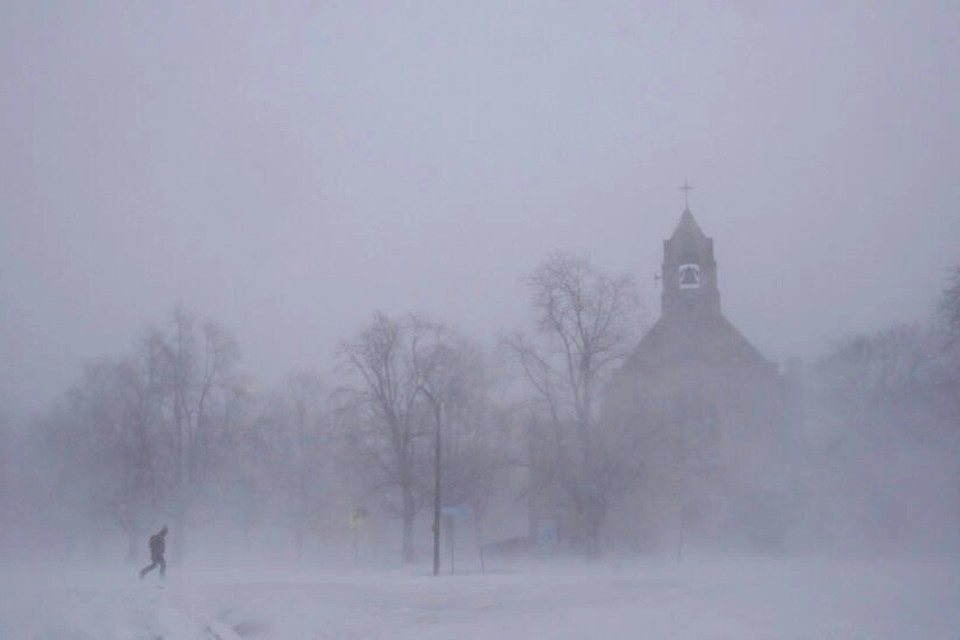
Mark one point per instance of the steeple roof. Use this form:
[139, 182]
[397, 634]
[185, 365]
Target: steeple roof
[688, 227]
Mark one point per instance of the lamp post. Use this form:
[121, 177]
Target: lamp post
[436, 487]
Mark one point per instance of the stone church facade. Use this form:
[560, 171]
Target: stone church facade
[711, 413]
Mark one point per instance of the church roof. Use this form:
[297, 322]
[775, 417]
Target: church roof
[707, 338]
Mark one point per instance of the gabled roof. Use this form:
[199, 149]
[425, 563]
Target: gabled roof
[694, 338]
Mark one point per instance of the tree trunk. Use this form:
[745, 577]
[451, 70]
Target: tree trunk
[408, 515]
[478, 531]
[592, 515]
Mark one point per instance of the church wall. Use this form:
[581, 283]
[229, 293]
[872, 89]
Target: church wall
[715, 447]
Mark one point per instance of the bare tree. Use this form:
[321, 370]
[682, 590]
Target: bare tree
[389, 358]
[890, 401]
[586, 322]
[304, 403]
[197, 363]
[107, 431]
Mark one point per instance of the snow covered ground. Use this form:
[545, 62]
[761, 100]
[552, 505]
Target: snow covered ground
[703, 599]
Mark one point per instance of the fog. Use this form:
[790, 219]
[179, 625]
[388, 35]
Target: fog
[264, 269]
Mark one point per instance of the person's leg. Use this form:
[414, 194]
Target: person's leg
[148, 569]
[163, 567]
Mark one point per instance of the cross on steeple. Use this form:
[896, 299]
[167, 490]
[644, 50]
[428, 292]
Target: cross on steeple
[686, 188]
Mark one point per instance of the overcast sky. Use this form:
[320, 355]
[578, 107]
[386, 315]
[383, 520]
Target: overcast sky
[289, 170]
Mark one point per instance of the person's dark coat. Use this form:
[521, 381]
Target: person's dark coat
[158, 545]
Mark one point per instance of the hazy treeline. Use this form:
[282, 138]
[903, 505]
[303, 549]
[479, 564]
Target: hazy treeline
[176, 430]
[881, 454]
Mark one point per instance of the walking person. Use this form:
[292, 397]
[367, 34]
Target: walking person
[157, 546]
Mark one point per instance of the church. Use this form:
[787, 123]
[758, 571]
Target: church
[713, 415]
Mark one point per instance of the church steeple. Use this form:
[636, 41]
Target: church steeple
[689, 270]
